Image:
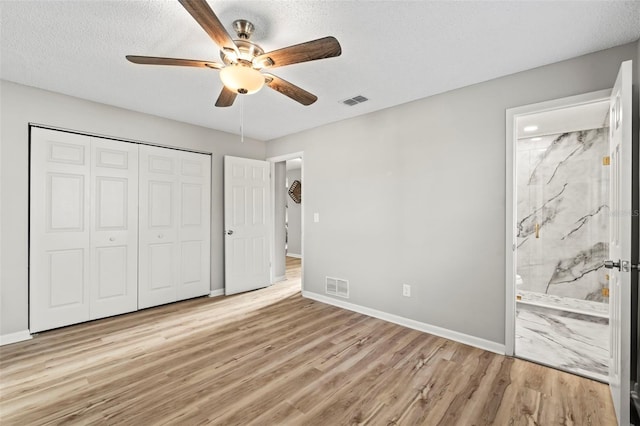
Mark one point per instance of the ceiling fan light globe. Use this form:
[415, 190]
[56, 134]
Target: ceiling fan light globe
[242, 79]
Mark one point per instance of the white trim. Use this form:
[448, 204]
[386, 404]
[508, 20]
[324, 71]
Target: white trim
[297, 256]
[273, 161]
[279, 279]
[477, 342]
[272, 228]
[115, 138]
[510, 237]
[285, 157]
[510, 206]
[217, 292]
[19, 336]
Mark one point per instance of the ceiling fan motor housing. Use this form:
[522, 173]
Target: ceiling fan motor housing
[247, 49]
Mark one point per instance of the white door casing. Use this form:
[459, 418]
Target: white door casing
[59, 229]
[195, 225]
[247, 224]
[620, 146]
[512, 116]
[159, 262]
[114, 228]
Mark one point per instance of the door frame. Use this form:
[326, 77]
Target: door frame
[511, 200]
[273, 161]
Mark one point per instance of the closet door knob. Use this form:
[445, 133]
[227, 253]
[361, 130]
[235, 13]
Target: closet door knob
[111, 239]
[160, 235]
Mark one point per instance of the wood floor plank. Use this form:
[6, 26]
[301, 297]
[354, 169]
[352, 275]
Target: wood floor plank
[271, 357]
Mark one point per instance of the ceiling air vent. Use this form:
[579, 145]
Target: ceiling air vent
[355, 100]
[337, 287]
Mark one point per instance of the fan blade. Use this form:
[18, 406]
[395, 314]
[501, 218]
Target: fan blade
[154, 60]
[210, 23]
[290, 90]
[226, 97]
[321, 48]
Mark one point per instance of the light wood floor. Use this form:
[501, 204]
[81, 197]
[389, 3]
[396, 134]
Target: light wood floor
[271, 357]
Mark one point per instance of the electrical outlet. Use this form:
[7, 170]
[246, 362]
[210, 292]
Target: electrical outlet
[406, 290]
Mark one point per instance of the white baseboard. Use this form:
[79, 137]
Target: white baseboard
[278, 279]
[19, 336]
[406, 322]
[297, 256]
[217, 292]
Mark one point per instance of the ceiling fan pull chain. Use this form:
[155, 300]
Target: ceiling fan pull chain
[242, 119]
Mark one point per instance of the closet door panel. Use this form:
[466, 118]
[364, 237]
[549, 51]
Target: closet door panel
[159, 261]
[195, 224]
[114, 227]
[59, 229]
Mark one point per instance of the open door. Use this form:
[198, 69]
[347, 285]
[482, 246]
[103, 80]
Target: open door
[620, 117]
[246, 222]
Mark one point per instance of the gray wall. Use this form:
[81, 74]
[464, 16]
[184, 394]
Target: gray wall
[21, 105]
[294, 214]
[416, 194]
[279, 199]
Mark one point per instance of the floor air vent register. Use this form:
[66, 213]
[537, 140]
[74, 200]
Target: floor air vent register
[337, 287]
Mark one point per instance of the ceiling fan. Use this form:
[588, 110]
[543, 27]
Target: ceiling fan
[244, 60]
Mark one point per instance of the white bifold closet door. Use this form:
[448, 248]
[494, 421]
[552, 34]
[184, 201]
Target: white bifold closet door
[174, 225]
[83, 228]
[114, 228]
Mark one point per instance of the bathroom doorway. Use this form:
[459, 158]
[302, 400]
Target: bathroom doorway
[561, 218]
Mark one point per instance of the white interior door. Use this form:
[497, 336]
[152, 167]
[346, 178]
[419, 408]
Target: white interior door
[159, 261]
[620, 117]
[59, 229]
[195, 224]
[114, 228]
[246, 221]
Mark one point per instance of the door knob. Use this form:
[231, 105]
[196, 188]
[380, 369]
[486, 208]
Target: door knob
[111, 239]
[230, 232]
[620, 265]
[160, 235]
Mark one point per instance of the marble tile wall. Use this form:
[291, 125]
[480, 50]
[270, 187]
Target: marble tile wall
[565, 340]
[563, 187]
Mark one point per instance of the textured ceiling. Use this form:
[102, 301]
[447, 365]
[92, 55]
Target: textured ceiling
[393, 52]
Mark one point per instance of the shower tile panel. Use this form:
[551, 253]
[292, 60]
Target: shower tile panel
[563, 188]
[572, 342]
